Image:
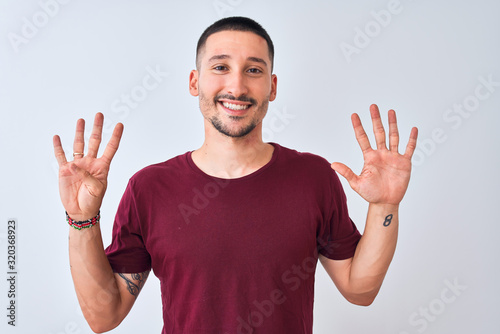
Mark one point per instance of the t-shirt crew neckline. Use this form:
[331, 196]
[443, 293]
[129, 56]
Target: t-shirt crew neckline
[259, 171]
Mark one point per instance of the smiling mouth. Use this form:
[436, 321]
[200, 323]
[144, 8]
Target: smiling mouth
[234, 106]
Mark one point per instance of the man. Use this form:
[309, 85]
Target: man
[233, 229]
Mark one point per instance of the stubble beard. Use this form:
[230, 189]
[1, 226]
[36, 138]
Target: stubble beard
[221, 127]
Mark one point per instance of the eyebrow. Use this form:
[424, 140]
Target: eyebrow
[224, 56]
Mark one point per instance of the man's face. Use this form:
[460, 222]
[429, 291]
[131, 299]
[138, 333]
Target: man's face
[234, 82]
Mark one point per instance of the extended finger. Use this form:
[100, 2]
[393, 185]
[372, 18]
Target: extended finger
[95, 137]
[58, 150]
[113, 144]
[378, 127]
[412, 143]
[393, 131]
[79, 142]
[359, 131]
[346, 172]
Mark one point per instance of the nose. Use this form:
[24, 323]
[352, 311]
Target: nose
[237, 85]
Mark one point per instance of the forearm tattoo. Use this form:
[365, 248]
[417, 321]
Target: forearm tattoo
[135, 282]
[388, 220]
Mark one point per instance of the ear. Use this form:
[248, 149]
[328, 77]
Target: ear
[274, 87]
[193, 83]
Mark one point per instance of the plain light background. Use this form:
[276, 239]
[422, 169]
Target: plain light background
[428, 60]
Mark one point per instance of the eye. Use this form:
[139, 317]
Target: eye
[255, 71]
[220, 68]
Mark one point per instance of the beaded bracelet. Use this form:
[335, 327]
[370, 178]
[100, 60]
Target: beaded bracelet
[83, 224]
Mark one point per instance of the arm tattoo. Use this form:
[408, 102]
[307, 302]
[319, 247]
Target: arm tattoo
[135, 282]
[388, 220]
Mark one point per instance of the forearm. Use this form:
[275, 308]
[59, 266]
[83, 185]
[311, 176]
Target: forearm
[94, 280]
[374, 252]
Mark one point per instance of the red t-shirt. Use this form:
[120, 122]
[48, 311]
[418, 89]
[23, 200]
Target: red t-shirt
[234, 256]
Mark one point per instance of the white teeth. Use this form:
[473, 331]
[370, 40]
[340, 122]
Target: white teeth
[235, 106]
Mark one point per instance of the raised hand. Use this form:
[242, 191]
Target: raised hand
[83, 181]
[386, 173]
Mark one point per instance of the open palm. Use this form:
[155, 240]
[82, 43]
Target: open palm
[386, 173]
[83, 181]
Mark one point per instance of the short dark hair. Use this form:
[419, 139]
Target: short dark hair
[235, 23]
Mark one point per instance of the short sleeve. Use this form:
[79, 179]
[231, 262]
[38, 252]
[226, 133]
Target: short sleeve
[340, 236]
[127, 252]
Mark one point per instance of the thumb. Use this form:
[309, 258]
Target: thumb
[346, 172]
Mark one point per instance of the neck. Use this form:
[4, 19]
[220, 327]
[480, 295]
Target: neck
[226, 157]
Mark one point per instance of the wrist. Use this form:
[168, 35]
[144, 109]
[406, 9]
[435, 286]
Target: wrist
[382, 215]
[82, 216]
[82, 224]
[384, 207]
